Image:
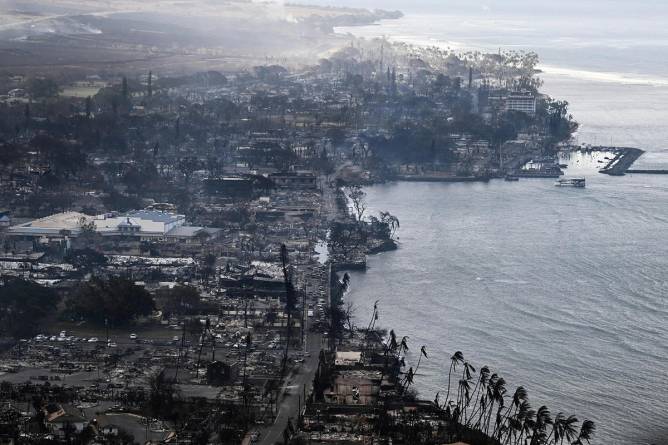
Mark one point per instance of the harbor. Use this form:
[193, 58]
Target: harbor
[621, 162]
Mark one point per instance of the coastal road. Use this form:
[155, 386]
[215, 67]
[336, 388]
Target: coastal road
[291, 396]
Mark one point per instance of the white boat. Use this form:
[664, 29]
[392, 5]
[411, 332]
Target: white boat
[571, 182]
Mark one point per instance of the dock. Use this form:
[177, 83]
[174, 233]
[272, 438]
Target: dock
[622, 162]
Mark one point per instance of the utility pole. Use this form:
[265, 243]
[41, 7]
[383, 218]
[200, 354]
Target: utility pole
[304, 317]
[178, 359]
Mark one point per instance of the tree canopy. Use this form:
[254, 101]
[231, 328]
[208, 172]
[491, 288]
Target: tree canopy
[117, 300]
[23, 305]
[183, 300]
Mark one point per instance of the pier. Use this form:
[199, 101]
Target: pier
[623, 160]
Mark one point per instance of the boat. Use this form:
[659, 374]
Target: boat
[571, 182]
[511, 178]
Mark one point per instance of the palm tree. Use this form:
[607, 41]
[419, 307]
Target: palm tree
[514, 424]
[519, 396]
[463, 395]
[528, 424]
[485, 399]
[374, 315]
[569, 430]
[539, 431]
[403, 345]
[468, 371]
[479, 386]
[456, 358]
[467, 374]
[498, 391]
[423, 351]
[557, 428]
[408, 380]
[391, 344]
[586, 432]
[413, 373]
[372, 322]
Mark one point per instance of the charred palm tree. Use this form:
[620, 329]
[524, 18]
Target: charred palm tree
[390, 347]
[374, 315]
[372, 322]
[408, 379]
[413, 373]
[391, 344]
[423, 352]
[456, 358]
[403, 345]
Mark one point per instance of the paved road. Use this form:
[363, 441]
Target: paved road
[292, 392]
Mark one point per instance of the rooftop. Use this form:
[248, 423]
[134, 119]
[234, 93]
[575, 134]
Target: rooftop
[155, 215]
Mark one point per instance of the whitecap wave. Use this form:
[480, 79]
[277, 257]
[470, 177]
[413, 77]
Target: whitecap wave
[605, 77]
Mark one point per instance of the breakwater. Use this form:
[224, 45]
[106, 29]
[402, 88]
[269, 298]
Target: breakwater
[622, 161]
[649, 172]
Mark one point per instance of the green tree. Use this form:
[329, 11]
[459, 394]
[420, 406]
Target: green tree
[23, 306]
[358, 198]
[162, 398]
[89, 107]
[124, 88]
[181, 300]
[118, 300]
[42, 88]
[86, 259]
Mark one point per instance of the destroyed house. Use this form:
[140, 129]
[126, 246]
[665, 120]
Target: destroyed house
[295, 180]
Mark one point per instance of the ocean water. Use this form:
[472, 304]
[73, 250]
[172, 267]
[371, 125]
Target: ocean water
[563, 291]
[560, 290]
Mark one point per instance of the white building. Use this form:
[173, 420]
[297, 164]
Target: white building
[523, 102]
[145, 224]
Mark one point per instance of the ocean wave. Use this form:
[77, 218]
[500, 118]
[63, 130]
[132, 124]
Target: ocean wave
[605, 77]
